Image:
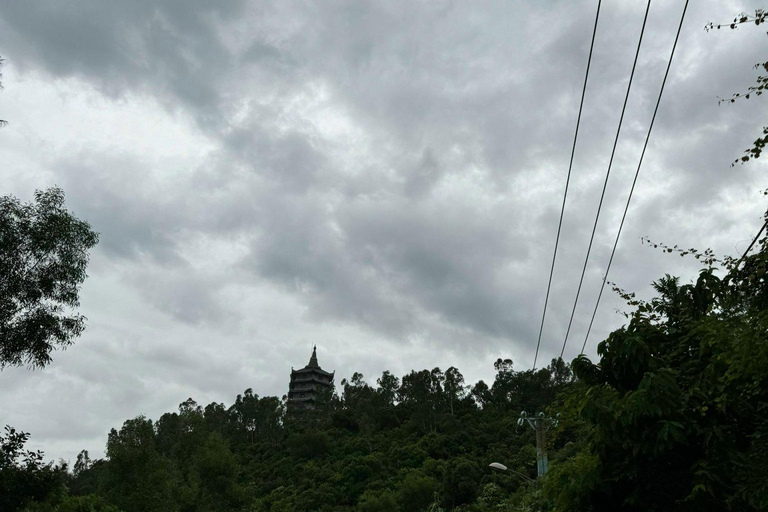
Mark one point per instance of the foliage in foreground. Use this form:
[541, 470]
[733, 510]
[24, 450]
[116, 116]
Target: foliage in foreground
[43, 259]
[676, 410]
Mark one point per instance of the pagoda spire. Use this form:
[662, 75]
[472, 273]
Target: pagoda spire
[313, 360]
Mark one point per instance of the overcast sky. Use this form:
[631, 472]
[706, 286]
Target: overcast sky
[382, 179]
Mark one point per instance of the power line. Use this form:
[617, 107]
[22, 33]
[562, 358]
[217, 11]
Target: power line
[607, 175]
[750, 245]
[637, 172]
[567, 181]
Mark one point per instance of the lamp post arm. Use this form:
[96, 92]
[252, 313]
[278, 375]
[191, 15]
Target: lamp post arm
[521, 475]
[502, 467]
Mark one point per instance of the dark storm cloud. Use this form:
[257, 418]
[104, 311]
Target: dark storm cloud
[165, 46]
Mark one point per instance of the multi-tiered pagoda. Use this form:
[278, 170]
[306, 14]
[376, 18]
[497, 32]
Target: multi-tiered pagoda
[307, 383]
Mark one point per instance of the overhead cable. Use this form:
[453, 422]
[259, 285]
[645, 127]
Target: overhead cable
[567, 182]
[751, 245]
[607, 175]
[637, 172]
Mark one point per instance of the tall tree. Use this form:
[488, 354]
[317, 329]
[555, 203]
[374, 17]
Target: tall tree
[43, 260]
[388, 387]
[454, 386]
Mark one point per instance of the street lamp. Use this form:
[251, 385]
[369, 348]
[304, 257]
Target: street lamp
[502, 467]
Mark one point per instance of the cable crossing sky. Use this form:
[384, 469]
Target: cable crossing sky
[567, 182]
[634, 181]
[607, 175]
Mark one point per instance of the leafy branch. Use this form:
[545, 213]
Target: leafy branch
[707, 256]
[741, 18]
[760, 16]
[649, 311]
[756, 149]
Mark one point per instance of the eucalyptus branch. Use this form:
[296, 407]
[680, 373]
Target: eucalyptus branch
[741, 18]
[707, 256]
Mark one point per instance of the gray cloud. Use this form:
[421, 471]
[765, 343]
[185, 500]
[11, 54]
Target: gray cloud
[383, 179]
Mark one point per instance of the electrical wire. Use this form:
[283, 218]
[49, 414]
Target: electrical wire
[634, 182]
[607, 175]
[750, 245]
[567, 182]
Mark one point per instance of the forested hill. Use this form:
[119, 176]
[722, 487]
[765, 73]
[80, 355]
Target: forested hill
[403, 444]
[673, 416]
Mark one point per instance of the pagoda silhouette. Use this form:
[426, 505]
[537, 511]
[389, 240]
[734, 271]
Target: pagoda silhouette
[307, 383]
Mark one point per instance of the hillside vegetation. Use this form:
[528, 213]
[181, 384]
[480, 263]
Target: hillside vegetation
[673, 416]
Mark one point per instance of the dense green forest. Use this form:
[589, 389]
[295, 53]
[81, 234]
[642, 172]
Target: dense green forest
[673, 416]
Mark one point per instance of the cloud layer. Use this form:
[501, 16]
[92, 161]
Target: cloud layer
[380, 178]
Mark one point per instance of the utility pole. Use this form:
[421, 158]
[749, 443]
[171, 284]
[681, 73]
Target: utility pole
[540, 424]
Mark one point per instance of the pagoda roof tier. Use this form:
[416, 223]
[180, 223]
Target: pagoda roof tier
[310, 381]
[308, 369]
[304, 399]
